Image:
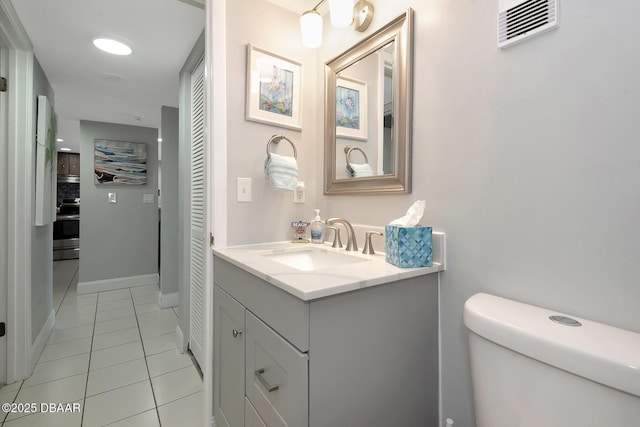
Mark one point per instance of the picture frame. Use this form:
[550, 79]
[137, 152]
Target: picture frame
[273, 89]
[351, 108]
[119, 162]
[46, 163]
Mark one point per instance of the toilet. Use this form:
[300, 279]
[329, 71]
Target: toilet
[531, 371]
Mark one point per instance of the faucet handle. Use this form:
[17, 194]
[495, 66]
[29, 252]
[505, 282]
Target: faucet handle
[337, 243]
[368, 247]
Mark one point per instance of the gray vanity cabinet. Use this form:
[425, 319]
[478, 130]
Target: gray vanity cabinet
[362, 358]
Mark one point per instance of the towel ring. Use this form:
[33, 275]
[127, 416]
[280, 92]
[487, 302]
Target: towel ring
[276, 139]
[348, 149]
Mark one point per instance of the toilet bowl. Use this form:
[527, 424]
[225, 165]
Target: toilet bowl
[531, 371]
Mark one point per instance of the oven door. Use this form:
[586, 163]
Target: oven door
[66, 237]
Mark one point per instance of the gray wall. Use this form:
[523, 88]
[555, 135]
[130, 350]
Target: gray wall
[169, 225]
[42, 236]
[117, 240]
[269, 215]
[528, 160]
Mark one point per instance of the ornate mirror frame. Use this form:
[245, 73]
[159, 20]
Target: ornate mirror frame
[399, 30]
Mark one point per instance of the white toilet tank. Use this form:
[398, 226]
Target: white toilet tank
[530, 371]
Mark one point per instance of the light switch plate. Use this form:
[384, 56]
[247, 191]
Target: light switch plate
[148, 198]
[244, 189]
[112, 198]
[299, 193]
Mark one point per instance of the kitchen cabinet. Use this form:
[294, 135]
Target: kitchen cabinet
[68, 163]
[367, 357]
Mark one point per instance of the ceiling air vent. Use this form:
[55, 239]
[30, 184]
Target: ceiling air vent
[519, 20]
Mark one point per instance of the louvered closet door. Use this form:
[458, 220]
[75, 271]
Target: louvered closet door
[198, 216]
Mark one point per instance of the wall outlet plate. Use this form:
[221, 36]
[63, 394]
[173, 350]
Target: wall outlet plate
[148, 198]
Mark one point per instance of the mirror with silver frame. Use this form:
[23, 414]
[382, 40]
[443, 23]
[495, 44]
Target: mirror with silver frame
[368, 113]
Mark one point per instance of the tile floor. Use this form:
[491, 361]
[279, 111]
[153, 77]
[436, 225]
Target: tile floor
[114, 354]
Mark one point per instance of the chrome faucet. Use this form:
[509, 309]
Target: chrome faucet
[352, 245]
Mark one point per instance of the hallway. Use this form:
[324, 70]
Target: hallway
[114, 354]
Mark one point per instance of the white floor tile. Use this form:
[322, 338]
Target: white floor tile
[157, 323]
[115, 355]
[188, 411]
[115, 295]
[116, 376]
[58, 369]
[147, 308]
[176, 385]
[145, 290]
[60, 419]
[115, 314]
[70, 322]
[7, 397]
[112, 339]
[112, 305]
[167, 361]
[10, 387]
[118, 404]
[115, 325]
[70, 334]
[65, 349]
[159, 343]
[145, 419]
[145, 299]
[65, 390]
[70, 310]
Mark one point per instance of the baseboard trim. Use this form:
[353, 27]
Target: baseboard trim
[168, 300]
[43, 336]
[118, 283]
[181, 343]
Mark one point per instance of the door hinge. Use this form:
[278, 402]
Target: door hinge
[3, 84]
[3, 329]
[211, 239]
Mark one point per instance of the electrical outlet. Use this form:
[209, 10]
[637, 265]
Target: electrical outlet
[148, 198]
[244, 189]
[111, 197]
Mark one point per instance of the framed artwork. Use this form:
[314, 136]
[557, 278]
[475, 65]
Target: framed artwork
[46, 163]
[351, 108]
[274, 89]
[119, 162]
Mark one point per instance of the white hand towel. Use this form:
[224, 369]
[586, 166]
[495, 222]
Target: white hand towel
[282, 172]
[361, 169]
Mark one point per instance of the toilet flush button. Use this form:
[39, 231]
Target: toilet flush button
[564, 320]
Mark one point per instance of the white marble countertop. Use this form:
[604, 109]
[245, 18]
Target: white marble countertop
[365, 271]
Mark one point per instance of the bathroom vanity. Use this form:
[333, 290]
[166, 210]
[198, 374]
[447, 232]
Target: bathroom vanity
[310, 336]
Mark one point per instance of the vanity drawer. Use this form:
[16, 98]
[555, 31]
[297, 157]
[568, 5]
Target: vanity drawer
[251, 417]
[274, 364]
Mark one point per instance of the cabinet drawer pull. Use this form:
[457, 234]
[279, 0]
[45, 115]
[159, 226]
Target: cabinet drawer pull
[264, 382]
[236, 332]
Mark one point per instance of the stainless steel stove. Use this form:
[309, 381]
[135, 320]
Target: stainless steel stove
[66, 231]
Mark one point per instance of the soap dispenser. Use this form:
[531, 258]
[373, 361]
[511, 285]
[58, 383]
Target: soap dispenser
[317, 229]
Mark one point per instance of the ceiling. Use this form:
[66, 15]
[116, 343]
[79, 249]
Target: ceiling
[89, 84]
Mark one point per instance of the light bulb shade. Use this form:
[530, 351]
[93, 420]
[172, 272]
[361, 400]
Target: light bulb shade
[341, 12]
[311, 29]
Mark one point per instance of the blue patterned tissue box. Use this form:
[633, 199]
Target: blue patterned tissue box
[408, 246]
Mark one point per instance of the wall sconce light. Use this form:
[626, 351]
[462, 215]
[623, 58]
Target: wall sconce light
[343, 13]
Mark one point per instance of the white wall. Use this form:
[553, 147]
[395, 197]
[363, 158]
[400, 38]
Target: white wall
[169, 185]
[42, 236]
[117, 240]
[269, 215]
[528, 159]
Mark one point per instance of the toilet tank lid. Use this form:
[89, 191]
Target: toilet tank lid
[599, 352]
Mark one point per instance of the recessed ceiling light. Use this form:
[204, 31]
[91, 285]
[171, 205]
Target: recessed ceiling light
[112, 46]
[60, 140]
[65, 149]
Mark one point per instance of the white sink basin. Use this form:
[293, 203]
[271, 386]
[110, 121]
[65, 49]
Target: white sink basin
[310, 259]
